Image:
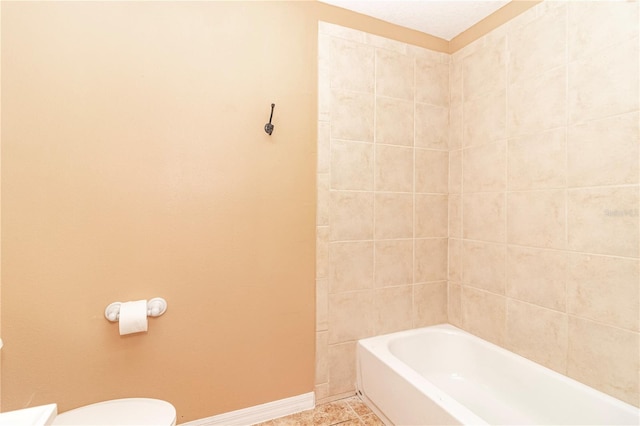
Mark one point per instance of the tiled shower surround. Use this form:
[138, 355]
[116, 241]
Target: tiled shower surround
[543, 220]
[380, 266]
[496, 188]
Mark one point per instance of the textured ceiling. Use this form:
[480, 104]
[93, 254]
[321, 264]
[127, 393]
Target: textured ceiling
[444, 19]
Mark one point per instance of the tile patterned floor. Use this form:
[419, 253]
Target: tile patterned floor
[344, 412]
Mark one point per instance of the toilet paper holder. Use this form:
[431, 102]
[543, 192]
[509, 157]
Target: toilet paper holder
[155, 307]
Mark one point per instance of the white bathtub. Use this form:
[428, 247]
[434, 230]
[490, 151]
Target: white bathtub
[443, 375]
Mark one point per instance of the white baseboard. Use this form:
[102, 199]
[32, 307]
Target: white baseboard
[259, 413]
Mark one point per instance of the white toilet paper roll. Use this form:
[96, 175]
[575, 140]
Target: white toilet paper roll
[133, 317]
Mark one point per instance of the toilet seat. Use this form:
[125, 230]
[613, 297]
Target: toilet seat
[127, 411]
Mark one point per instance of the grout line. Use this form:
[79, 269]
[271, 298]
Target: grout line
[507, 53]
[557, 188]
[413, 210]
[375, 191]
[566, 174]
[554, 249]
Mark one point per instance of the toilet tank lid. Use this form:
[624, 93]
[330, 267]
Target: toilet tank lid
[121, 412]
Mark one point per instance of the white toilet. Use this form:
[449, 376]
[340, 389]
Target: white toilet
[120, 412]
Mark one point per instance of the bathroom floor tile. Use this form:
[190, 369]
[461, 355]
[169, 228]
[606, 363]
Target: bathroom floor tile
[359, 407]
[371, 420]
[344, 412]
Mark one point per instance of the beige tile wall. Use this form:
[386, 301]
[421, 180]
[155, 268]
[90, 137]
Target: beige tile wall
[383, 167]
[539, 188]
[543, 191]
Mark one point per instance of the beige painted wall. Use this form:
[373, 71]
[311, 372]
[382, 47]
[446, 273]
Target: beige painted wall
[135, 165]
[544, 196]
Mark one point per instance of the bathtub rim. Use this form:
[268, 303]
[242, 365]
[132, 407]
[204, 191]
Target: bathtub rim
[379, 346]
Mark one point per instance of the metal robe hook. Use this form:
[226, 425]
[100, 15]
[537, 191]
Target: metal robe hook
[269, 127]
